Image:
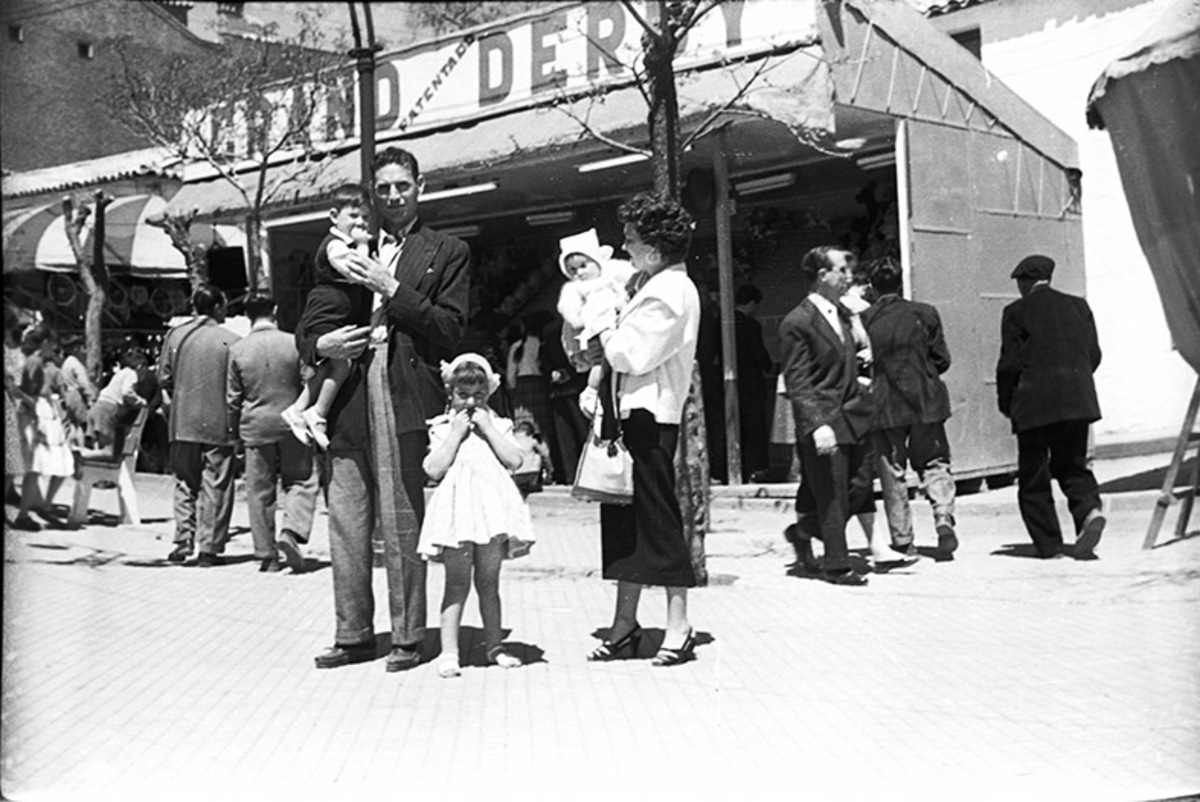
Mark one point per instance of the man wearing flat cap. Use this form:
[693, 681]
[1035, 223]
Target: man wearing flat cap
[1048, 353]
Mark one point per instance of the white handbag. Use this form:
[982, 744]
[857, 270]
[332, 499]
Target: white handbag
[605, 471]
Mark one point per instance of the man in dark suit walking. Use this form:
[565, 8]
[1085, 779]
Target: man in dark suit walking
[263, 379]
[911, 405]
[754, 369]
[1048, 353]
[377, 426]
[192, 376]
[821, 372]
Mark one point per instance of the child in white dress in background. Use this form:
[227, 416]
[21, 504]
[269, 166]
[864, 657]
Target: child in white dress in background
[595, 289]
[476, 518]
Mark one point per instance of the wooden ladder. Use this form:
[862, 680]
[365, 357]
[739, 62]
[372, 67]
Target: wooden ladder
[1187, 437]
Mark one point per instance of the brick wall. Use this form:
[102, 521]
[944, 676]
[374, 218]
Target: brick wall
[49, 93]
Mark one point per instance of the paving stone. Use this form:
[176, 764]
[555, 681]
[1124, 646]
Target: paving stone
[989, 677]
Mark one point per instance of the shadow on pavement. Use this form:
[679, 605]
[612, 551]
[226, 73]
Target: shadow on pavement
[1146, 480]
[1029, 551]
[1187, 536]
[225, 562]
[651, 640]
[470, 642]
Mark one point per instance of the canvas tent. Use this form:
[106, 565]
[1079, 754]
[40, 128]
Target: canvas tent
[1149, 100]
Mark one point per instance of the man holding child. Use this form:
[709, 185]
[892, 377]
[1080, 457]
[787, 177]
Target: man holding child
[376, 426]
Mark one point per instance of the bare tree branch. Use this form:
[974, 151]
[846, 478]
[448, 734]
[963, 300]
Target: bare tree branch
[709, 122]
[241, 112]
[647, 28]
[587, 129]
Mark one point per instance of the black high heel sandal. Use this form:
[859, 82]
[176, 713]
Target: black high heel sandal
[674, 657]
[615, 650]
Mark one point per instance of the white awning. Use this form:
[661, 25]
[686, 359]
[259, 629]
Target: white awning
[35, 238]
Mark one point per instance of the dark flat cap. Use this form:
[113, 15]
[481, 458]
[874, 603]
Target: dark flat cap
[1037, 268]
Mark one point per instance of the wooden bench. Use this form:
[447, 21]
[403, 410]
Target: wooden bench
[116, 470]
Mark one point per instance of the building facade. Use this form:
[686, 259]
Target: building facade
[1051, 52]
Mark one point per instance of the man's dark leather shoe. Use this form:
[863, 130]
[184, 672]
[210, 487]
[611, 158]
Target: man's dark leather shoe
[206, 560]
[289, 546]
[849, 578]
[402, 658]
[269, 565]
[180, 553]
[343, 655]
[803, 547]
[947, 538]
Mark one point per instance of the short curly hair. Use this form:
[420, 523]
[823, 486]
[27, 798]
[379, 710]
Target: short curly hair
[661, 223]
[887, 276]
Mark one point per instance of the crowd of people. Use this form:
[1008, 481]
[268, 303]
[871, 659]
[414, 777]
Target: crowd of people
[55, 415]
[373, 400]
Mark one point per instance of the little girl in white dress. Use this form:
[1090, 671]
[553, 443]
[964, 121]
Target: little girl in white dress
[476, 518]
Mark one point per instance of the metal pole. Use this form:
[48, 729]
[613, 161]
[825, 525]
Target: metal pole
[364, 56]
[728, 335]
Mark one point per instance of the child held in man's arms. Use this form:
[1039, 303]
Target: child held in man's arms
[595, 289]
[342, 302]
[476, 518]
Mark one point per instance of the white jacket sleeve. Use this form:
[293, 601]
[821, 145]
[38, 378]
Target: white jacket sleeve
[645, 338]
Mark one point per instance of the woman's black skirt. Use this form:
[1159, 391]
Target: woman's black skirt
[644, 542]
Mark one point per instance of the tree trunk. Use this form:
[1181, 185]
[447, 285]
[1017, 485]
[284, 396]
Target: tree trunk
[663, 118]
[94, 274]
[692, 475]
[257, 269]
[93, 333]
[179, 229]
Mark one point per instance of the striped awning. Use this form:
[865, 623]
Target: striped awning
[35, 238]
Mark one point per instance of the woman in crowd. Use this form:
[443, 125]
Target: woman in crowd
[119, 402]
[78, 394]
[651, 347]
[41, 381]
[530, 396]
[18, 409]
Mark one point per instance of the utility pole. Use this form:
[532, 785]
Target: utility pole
[364, 59]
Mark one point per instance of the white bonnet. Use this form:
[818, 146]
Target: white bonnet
[493, 379]
[586, 243]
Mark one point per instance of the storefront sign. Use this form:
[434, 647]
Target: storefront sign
[538, 59]
[563, 53]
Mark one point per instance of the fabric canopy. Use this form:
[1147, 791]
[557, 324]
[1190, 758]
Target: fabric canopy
[795, 92]
[1149, 100]
[36, 238]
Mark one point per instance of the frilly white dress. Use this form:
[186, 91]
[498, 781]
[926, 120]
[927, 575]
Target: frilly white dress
[477, 500]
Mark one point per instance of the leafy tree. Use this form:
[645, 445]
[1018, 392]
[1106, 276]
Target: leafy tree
[246, 111]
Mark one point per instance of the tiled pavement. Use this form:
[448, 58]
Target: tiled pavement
[990, 677]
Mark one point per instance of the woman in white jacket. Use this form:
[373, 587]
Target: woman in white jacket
[651, 346]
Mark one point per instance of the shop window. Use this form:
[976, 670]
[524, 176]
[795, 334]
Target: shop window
[16, 33]
[1075, 188]
[227, 270]
[87, 50]
[971, 39]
